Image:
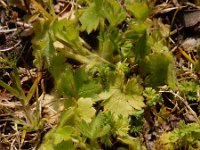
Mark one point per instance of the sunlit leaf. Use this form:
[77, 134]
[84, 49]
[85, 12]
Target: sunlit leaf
[66, 30]
[133, 86]
[63, 134]
[114, 12]
[64, 145]
[118, 105]
[92, 16]
[139, 10]
[152, 97]
[89, 89]
[85, 109]
[136, 101]
[121, 104]
[107, 94]
[122, 126]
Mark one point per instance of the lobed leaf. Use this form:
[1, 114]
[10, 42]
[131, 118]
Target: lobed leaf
[85, 109]
[92, 16]
[114, 13]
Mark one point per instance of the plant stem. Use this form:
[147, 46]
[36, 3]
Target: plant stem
[71, 55]
[81, 58]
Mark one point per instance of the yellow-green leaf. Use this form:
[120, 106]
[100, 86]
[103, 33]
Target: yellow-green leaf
[85, 109]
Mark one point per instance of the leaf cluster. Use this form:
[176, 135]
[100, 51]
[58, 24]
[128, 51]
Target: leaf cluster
[102, 89]
[186, 137]
[106, 87]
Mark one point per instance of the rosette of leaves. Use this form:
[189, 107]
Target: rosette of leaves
[122, 98]
[152, 97]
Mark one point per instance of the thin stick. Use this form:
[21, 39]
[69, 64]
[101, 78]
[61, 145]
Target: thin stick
[171, 9]
[9, 30]
[186, 56]
[24, 24]
[184, 102]
[10, 48]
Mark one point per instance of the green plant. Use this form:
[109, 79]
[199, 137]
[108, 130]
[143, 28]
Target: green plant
[104, 94]
[184, 137]
[152, 97]
[31, 122]
[189, 89]
[105, 87]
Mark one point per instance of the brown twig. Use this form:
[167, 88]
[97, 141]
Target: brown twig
[185, 103]
[186, 55]
[9, 30]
